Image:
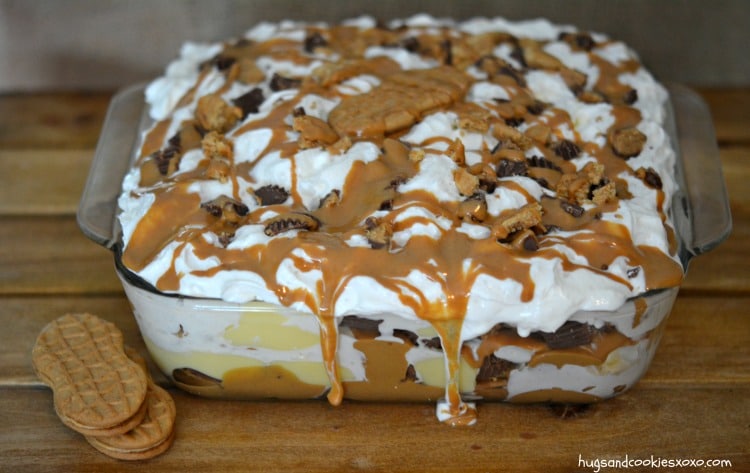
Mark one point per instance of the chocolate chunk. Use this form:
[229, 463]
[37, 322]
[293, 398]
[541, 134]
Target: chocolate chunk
[163, 157]
[517, 54]
[567, 150]
[571, 334]
[299, 112]
[406, 335]
[573, 209]
[507, 168]
[536, 108]
[192, 377]
[530, 243]
[249, 102]
[514, 121]
[279, 82]
[580, 40]
[314, 40]
[223, 62]
[411, 374]
[271, 195]
[361, 325]
[386, 205]
[291, 221]
[542, 162]
[633, 272]
[631, 97]
[650, 177]
[434, 343]
[494, 369]
[411, 44]
[447, 47]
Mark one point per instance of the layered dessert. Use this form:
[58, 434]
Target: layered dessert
[423, 209]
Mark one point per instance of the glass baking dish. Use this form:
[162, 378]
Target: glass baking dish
[255, 350]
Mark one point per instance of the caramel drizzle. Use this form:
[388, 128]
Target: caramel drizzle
[176, 216]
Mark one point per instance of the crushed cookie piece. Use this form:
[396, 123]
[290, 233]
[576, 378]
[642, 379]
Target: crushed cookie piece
[627, 142]
[487, 176]
[530, 215]
[457, 152]
[220, 153]
[606, 193]
[567, 150]
[650, 177]
[331, 199]
[291, 221]
[591, 97]
[416, 155]
[378, 232]
[466, 183]
[509, 152]
[474, 208]
[576, 187]
[313, 132]
[341, 146]
[271, 195]
[539, 133]
[472, 117]
[249, 102]
[248, 71]
[575, 80]
[279, 82]
[506, 133]
[536, 58]
[215, 114]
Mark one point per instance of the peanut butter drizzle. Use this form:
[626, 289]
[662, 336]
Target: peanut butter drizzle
[176, 215]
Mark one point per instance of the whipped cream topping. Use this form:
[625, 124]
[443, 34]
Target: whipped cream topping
[466, 174]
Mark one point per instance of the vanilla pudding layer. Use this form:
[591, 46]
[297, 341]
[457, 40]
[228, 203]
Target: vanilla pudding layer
[459, 182]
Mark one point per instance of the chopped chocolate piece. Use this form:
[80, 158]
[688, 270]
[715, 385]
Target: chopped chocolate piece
[299, 112]
[581, 40]
[313, 41]
[271, 195]
[542, 162]
[530, 243]
[434, 343]
[633, 272]
[627, 142]
[536, 108]
[397, 181]
[631, 97]
[291, 221]
[411, 44]
[570, 334]
[411, 374]
[223, 62]
[573, 209]
[192, 377]
[163, 157]
[567, 150]
[249, 102]
[406, 335]
[507, 168]
[447, 47]
[650, 177]
[279, 82]
[494, 369]
[361, 324]
[514, 121]
[517, 54]
[386, 205]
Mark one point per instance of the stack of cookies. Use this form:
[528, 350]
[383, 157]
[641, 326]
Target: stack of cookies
[102, 388]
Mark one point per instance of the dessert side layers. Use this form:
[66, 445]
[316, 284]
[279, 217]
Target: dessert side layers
[469, 175]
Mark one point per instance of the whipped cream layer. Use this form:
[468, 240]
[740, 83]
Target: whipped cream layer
[466, 174]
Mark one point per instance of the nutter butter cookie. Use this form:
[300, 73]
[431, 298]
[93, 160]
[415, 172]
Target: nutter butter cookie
[442, 178]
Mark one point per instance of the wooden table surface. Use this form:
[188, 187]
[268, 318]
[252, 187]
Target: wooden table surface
[693, 404]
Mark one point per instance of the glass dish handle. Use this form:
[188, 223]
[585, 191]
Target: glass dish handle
[705, 190]
[112, 158]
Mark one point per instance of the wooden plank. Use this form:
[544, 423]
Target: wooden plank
[705, 341]
[50, 255]
[42, 182]
[53, 120]
[730, 109]
[679, 424]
